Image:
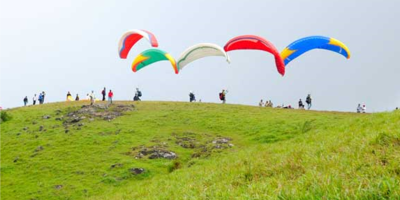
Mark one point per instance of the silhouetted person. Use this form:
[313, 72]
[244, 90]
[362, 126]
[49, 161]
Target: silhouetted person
[77, 97]
[309, 101]
[103, 92]
[43, 96]
[301, 105]
[25, 100]
[192, 97]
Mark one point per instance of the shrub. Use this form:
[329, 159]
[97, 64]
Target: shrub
[4, 116]
[174, 166]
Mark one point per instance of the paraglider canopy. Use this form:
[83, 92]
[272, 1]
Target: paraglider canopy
[151, 56]
[199, 51]
[130, 38]
[253, 42]
[301, 46]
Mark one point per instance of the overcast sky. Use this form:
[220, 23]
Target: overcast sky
[61, 46]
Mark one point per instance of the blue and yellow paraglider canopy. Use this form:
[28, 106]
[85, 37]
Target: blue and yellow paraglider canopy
[303, 45]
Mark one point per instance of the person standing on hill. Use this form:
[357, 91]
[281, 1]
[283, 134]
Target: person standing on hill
[69, 96]
[222, 96]
[103, 92]
[92, 98]
[25, 100]
[192, 97]
[40, 98]
[43, 96]
[110, 96]
[77, 97]
[34, 99]
[309, 101]
[137, 96]
[359, 108]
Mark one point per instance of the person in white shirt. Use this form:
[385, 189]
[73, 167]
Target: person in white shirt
[92, 98]
[34, 99]
[364, 108]
[359, 108]
[261, 103]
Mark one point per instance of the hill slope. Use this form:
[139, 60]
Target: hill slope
[161, 150]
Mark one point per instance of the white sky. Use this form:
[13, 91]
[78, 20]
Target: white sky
[61, 46]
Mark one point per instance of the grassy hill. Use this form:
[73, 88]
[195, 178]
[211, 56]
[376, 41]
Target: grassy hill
[164, 150]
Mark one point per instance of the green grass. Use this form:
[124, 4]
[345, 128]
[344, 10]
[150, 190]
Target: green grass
[277, 154]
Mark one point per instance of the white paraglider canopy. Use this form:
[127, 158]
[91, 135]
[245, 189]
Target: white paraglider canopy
[199, 51]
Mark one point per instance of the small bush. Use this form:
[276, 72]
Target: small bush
[175, 165]
[4, 116]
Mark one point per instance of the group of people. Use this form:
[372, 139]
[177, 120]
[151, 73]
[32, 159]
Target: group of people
[222, 96]
[301, 105]
[192, 98]
[92, 97]
[308, 102]
[89, 97]
[361, 109]
[266, 104]
[35, 99]
[69, 97]
[110, 96]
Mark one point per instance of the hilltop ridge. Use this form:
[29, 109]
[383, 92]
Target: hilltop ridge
[175, 150]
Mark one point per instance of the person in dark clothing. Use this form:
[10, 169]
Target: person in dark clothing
[43, 95]
[309, 101]
[301, 105]
[104, 94]
[222, 96]
[25, 100]
[192, 97]
[40, 99]
[137, 96]
[77, 97]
